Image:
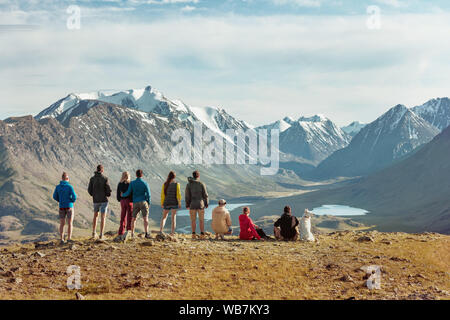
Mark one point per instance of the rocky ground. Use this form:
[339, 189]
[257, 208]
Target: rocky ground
[414, 266]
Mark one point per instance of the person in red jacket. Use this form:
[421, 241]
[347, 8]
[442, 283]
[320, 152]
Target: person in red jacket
[248, 228]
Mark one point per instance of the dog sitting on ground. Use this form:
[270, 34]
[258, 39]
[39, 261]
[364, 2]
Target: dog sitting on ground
[305, 226]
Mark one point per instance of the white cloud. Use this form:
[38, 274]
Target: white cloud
[392, 3]
[170, 1]
[188, 8]
[258, 68]
[301, 3]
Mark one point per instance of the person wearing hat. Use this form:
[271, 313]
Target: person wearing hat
[221, 220]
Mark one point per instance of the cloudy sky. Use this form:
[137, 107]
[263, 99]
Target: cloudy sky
[261, 60]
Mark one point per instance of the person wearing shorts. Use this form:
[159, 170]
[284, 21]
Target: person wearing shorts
[100, 191]
[170, 201]
[196, 197]
[65, 195]
[140, 192]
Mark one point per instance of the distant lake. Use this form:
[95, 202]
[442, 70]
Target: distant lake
[208, 214]
[338, 210]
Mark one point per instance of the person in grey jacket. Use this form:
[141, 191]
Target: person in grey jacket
[196, 197]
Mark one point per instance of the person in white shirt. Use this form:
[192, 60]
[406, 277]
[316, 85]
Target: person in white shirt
[221, 220]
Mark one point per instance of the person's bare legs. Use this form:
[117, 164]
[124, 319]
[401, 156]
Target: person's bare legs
[163, 220]
[102, 224]
[69, 227]
[201, 218]
[133, 226]
[277, 233]
[61, 228]
[145, 224]
[94, 224]
[174, 221]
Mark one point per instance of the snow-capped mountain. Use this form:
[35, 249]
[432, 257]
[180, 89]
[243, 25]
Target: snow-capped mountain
[435, 112]
[353, 128]
[281, 125]
[312, 138]
[390, 137]
[148, 100]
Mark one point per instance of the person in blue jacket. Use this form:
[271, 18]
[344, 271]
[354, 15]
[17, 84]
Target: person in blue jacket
[65, 195]
[140, 193]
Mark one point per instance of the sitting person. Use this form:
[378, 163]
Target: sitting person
[248, 228]
[286, 227]
[221, 220]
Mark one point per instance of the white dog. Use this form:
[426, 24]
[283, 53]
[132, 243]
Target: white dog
[305, 226]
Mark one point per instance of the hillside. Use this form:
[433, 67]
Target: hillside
[34, 153]
[378, 145]
[413, 267]
[411, 196]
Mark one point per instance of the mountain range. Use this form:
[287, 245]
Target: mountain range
[379, 144]
[412, 195]
[311, 138]
[132, 129]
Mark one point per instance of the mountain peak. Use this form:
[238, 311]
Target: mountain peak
[435, 111]
[316, 118]
[288, 120]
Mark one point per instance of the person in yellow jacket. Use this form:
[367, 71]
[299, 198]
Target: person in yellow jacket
[170, 200]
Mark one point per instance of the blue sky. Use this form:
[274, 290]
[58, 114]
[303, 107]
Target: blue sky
[259, 59]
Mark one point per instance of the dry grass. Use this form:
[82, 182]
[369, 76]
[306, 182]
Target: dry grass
[414, 267]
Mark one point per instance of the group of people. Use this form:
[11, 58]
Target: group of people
[135, 198]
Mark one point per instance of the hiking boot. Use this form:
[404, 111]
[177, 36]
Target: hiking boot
[125, 236]
[194, 236]
[94, 236]
[62, 242]
[202, 235]
[102, 238]
[147, 236]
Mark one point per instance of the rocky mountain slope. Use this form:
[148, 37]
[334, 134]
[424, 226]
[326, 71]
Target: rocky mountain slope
[379, 144]
[436, 112]
[35, 152]
[309, 138]
[412, 195]
[413, 267]
[353, 128]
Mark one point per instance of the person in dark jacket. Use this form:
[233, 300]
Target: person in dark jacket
[286, 227]
[126, 206]
[140, 192]
[100, 191]
[170, 200]
[65, 195]
[196, 197]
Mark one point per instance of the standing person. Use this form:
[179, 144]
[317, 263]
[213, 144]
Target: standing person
[196, 197]
[66, 197]
[100, 191]
[140, 192]
[221, 220]
[248, 228]
[286, 227]
[126, 205]
[170, 200]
